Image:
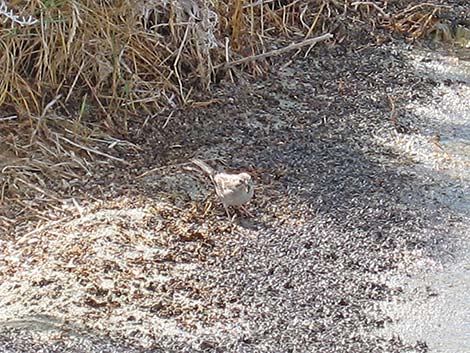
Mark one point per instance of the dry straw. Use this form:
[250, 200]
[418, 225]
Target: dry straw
[72, 74]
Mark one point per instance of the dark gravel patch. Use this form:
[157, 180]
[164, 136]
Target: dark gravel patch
[340, 214]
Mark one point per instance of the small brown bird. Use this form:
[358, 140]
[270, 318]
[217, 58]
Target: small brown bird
[232, 189]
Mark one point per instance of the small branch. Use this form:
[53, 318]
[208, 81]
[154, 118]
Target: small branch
[412, 8]
[259, 2]
[45, 226]
[276, 52]
[393, 116]
[377, 7]
[50, 105]
[38, 189]
[92, 150]
[148, 172]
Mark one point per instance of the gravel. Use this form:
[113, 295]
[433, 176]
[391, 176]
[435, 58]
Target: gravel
[334, 213]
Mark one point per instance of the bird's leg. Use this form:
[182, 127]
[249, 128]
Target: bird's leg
[246, 212]
[226, 211]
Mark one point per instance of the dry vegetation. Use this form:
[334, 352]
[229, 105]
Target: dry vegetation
[75, 73]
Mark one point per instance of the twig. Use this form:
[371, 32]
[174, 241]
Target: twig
[26, 236]
[377, 7]
[72, 87]
[92, 150]
[412, 8]
[423, 27]
[168, 119]
[259, 2]
[38, 189]
[161, 168]
[175, 65]
[12, 117]
[50, 105]
[183, 164]
[315, 21]
[43, 115]
[276, 51]
[393, 117]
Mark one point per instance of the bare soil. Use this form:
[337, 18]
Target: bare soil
[150, 263]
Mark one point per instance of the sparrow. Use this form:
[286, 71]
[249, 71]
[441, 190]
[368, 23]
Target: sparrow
[231, 189]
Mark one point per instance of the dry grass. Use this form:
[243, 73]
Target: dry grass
[76, 72]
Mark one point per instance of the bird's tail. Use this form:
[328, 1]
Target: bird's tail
[206, 168]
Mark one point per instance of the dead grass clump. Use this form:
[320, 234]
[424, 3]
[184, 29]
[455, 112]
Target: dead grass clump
[42, 162]
[132, 55]
[146, 55]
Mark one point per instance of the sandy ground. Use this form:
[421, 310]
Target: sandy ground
[438, 309]
[151, 263]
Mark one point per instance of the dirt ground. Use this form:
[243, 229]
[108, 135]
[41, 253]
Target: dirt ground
[150, 263]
